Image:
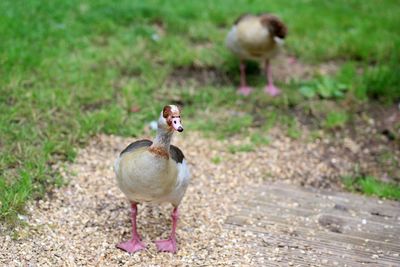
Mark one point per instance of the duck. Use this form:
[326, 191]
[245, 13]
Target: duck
[259, 38]
[154, 172]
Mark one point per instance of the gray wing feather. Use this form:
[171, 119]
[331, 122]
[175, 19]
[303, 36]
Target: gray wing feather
[176, 154]
[136, 145]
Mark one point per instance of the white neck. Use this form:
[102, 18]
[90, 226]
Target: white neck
[163, 138]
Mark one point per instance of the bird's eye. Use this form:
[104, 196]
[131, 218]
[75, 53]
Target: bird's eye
[175, 122]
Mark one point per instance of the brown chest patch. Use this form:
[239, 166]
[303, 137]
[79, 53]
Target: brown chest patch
[159, 151]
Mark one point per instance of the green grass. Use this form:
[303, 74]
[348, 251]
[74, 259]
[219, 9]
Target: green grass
[370, 185]
[381, 82]
[71, 69]
[335, 119]
[259, 139]
[240, 148]
[216, 160]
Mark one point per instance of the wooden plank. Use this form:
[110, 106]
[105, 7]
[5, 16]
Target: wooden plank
[303, 251]
[275, 225]
[345, 229]
[353, 200]
[341, 223]
[328, 244]
[284, 198]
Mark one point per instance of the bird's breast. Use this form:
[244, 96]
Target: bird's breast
[142, 175]
[255, 39]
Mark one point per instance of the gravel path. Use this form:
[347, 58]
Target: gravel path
[79, 224]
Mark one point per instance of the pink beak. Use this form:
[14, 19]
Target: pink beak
[176, 123]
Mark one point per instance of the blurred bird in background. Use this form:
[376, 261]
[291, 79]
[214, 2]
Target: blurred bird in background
[256, 37]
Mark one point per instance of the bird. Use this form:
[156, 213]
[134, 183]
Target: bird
[156, 172]
[256, 37]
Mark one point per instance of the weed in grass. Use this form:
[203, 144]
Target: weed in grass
[216, 160]
[259, 139]
[325, 87]
[370, 185]
[293, 133]
[335, 119]
[292, 126]
[308, 91]
[328, 88]
[240, 148]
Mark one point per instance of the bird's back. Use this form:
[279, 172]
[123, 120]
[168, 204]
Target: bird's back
[252, 38]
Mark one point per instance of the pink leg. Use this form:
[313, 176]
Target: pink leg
[243, 89]
[135, 243]
[270, 88]
[169, 245]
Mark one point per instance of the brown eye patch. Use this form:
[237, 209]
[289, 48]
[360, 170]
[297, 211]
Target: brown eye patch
[169, 121]
[275, 25]
[166, 111]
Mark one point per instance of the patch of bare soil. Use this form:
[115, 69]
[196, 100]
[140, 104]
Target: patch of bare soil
[197, 76]
[285, 69]
[373, 138]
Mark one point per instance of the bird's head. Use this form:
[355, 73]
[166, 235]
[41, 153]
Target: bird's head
[170, 119]
[274, 25]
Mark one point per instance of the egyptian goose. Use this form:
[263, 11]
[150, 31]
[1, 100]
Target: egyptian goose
[154, 172]
[256, 37]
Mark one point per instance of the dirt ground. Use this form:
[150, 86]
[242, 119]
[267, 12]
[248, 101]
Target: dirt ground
[299, 70]
[79, 224]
